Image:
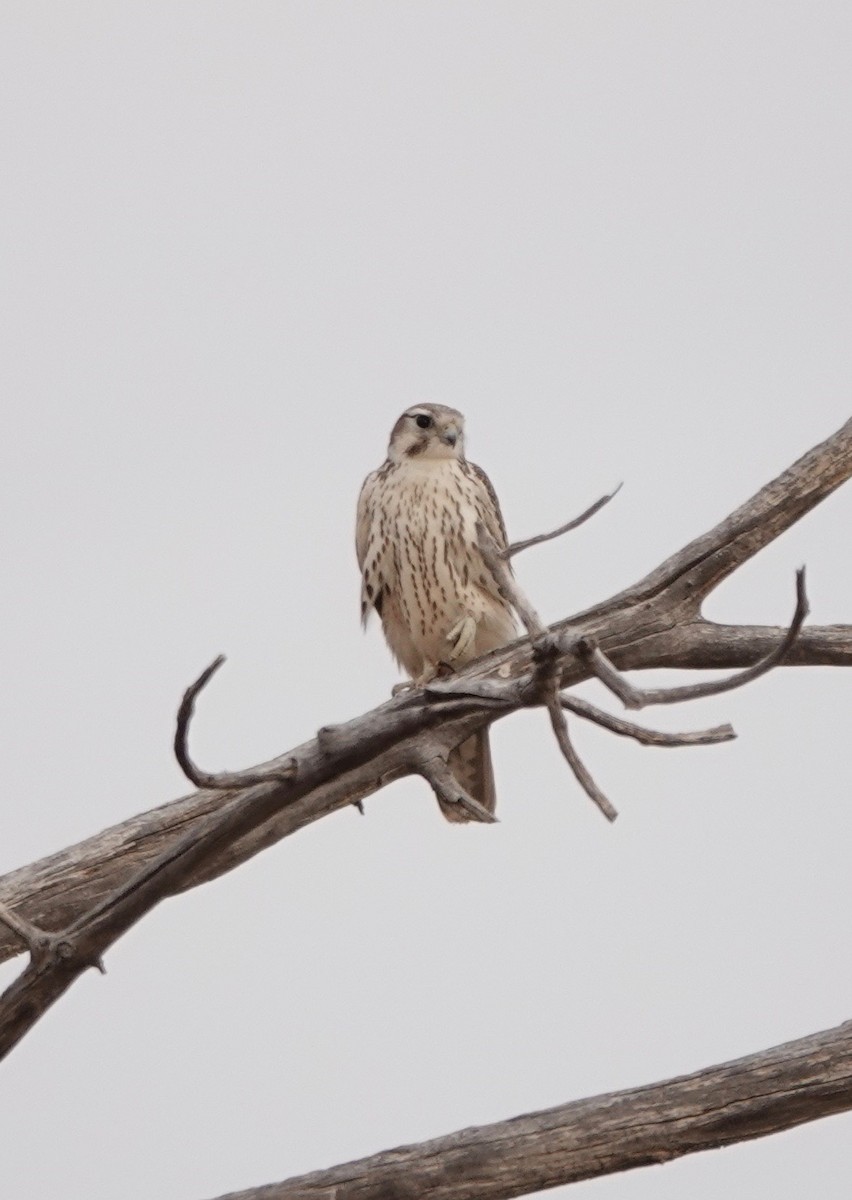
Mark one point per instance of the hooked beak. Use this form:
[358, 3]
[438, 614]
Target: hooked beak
[450, 436]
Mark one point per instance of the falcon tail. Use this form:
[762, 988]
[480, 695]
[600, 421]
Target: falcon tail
[471, 764]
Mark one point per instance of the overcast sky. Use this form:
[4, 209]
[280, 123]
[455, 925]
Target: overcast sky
[237, 240]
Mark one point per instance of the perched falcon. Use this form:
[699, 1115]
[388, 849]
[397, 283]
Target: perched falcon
[422, 569]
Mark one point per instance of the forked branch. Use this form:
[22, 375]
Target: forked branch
[547, 678]
[634, 697]
[93, 892]
[35, 939]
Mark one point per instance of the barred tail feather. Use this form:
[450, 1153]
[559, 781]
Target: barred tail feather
[471, 764]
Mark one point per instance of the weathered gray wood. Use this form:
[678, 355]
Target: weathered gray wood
[655, 623]
[55, 890]
[705, 644]
[95, 891]
[705, 562]
[748, 1098]
[395, 729]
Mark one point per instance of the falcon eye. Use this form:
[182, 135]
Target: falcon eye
[423, 421]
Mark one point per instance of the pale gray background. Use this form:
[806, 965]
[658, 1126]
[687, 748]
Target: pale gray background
[237, 240]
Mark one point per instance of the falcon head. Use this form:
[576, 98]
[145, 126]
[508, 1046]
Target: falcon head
[427, 431]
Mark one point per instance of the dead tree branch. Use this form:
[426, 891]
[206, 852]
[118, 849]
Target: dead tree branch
[495, 560]
[748, 1098]
[578, 767]
[92, 893]
[646, 737]
[546, 654]
[221, 780]
[56, 890]
[432, 758]
[633, 697]
[517, 547]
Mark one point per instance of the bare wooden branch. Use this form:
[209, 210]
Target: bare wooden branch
[82, 943]
[546, 682]
[62, 957]
[94, 892]
[690, 575]
[194, 774]
[517, 547]
[547, 675]
[736, 1101]
[509, 587]
[633, 697]
[646, 737]
[222, 780]
[54, 891]
[582, 774]
[651, 625]
[432, 765]
[710, 645]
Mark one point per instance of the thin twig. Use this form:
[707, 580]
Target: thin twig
[545, 656]
[633, 697]
[220, 780]
[517, 547]
[646, 737]
[583, 776]
[432, 765]
[507, 583]
[546, 683]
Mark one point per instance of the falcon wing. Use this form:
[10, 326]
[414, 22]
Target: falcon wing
[368, 547]
[364, 518]
[489, 506]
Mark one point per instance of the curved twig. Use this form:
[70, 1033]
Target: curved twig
[634, 697]
[220, 781]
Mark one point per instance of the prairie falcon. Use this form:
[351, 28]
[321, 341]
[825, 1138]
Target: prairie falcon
[422, 570]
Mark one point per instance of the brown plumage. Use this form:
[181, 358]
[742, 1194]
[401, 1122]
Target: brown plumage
[422, 570]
